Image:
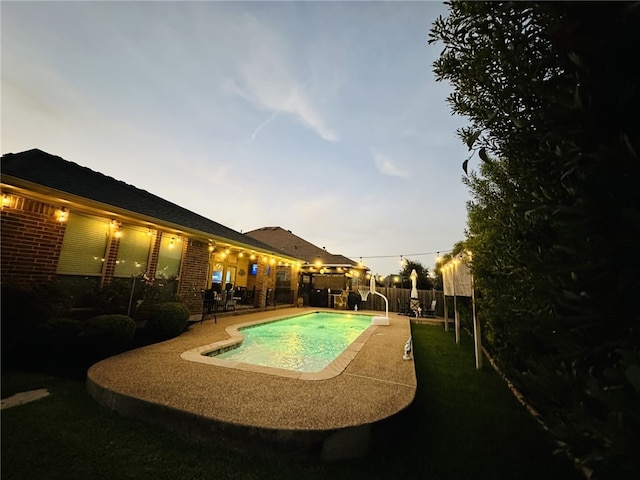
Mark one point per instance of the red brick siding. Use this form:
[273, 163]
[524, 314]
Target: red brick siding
[193, 274]
[293, 281]
[110, 260]
[31, 238]
[264, 282]
[153, 257]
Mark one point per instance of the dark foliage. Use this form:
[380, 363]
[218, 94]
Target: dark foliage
[108, 334]
[24, 310]
[552, 93]
[424, 281]
[166, 320]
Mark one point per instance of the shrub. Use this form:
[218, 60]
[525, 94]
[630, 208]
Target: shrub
[61, 333]
[113, 298]
[167, 320]
[108, 334]
[58, 348]
[24, 309]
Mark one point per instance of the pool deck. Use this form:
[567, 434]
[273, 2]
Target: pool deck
[331, 415]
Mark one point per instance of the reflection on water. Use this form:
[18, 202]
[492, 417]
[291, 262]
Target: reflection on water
[307, 343]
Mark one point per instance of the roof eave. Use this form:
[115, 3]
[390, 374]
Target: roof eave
[69, 200]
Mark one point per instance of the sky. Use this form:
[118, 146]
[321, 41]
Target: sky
[323, 118]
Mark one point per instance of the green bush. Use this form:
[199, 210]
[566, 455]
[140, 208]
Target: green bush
[131, 296]
[60, 332]
[108, 334]
[167, 320]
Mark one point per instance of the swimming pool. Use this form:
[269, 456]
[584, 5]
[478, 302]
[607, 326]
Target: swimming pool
[306, 343]
[308, 346]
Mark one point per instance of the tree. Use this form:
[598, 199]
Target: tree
[552, 95]
[424, 280]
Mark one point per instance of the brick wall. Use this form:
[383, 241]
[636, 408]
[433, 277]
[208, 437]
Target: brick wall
[31, 238]
[152, 265]
[264, 281]
[110, 259]
[193, 274]
[294, 280]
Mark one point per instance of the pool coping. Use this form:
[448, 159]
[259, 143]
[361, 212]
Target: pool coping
[255, 412]
[334, 368]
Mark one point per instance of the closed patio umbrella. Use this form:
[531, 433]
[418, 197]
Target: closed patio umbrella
[414, 284]
[415, 302]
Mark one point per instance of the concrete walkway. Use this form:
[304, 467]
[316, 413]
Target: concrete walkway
[332, 417]
[23, 397]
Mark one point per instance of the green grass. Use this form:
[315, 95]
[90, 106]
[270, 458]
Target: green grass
[464, 424]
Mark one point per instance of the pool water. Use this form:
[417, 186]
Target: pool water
[306, 343]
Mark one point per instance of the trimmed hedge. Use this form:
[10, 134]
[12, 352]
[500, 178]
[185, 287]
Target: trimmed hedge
[109, 333]
[167, 320]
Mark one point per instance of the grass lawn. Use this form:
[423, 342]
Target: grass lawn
[464, 424]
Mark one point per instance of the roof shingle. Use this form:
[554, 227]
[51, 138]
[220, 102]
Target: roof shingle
[64, 176]
[290, 244]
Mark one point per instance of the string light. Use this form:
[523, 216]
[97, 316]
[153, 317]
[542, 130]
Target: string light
[400, 255]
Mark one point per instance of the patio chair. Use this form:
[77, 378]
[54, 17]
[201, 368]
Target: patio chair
[208, 304]
[403, 309]
[230, 302]
[430, 311]
[271, 297]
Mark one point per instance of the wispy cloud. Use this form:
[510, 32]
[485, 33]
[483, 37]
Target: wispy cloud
[298, 104]
[387, 166]
[266, 77]
[262, 125]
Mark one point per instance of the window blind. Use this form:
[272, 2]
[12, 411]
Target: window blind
[83, 246]
[133, 252]
[169, 257]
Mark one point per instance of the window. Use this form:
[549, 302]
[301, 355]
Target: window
[231, 276]
[133, 252]
[216, 276]
[283, 276]
[169, 257]
[83, 246]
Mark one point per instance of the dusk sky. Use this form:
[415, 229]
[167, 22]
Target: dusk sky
[323, 118]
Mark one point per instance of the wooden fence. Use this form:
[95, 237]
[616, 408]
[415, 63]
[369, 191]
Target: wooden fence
[401, 297]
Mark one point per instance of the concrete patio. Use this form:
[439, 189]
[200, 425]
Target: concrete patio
[330, 416]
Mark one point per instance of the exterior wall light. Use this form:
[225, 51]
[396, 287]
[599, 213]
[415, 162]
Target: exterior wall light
[62, 215]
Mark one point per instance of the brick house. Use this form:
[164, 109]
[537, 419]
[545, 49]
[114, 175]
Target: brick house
[62, 221]
[321, 273]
